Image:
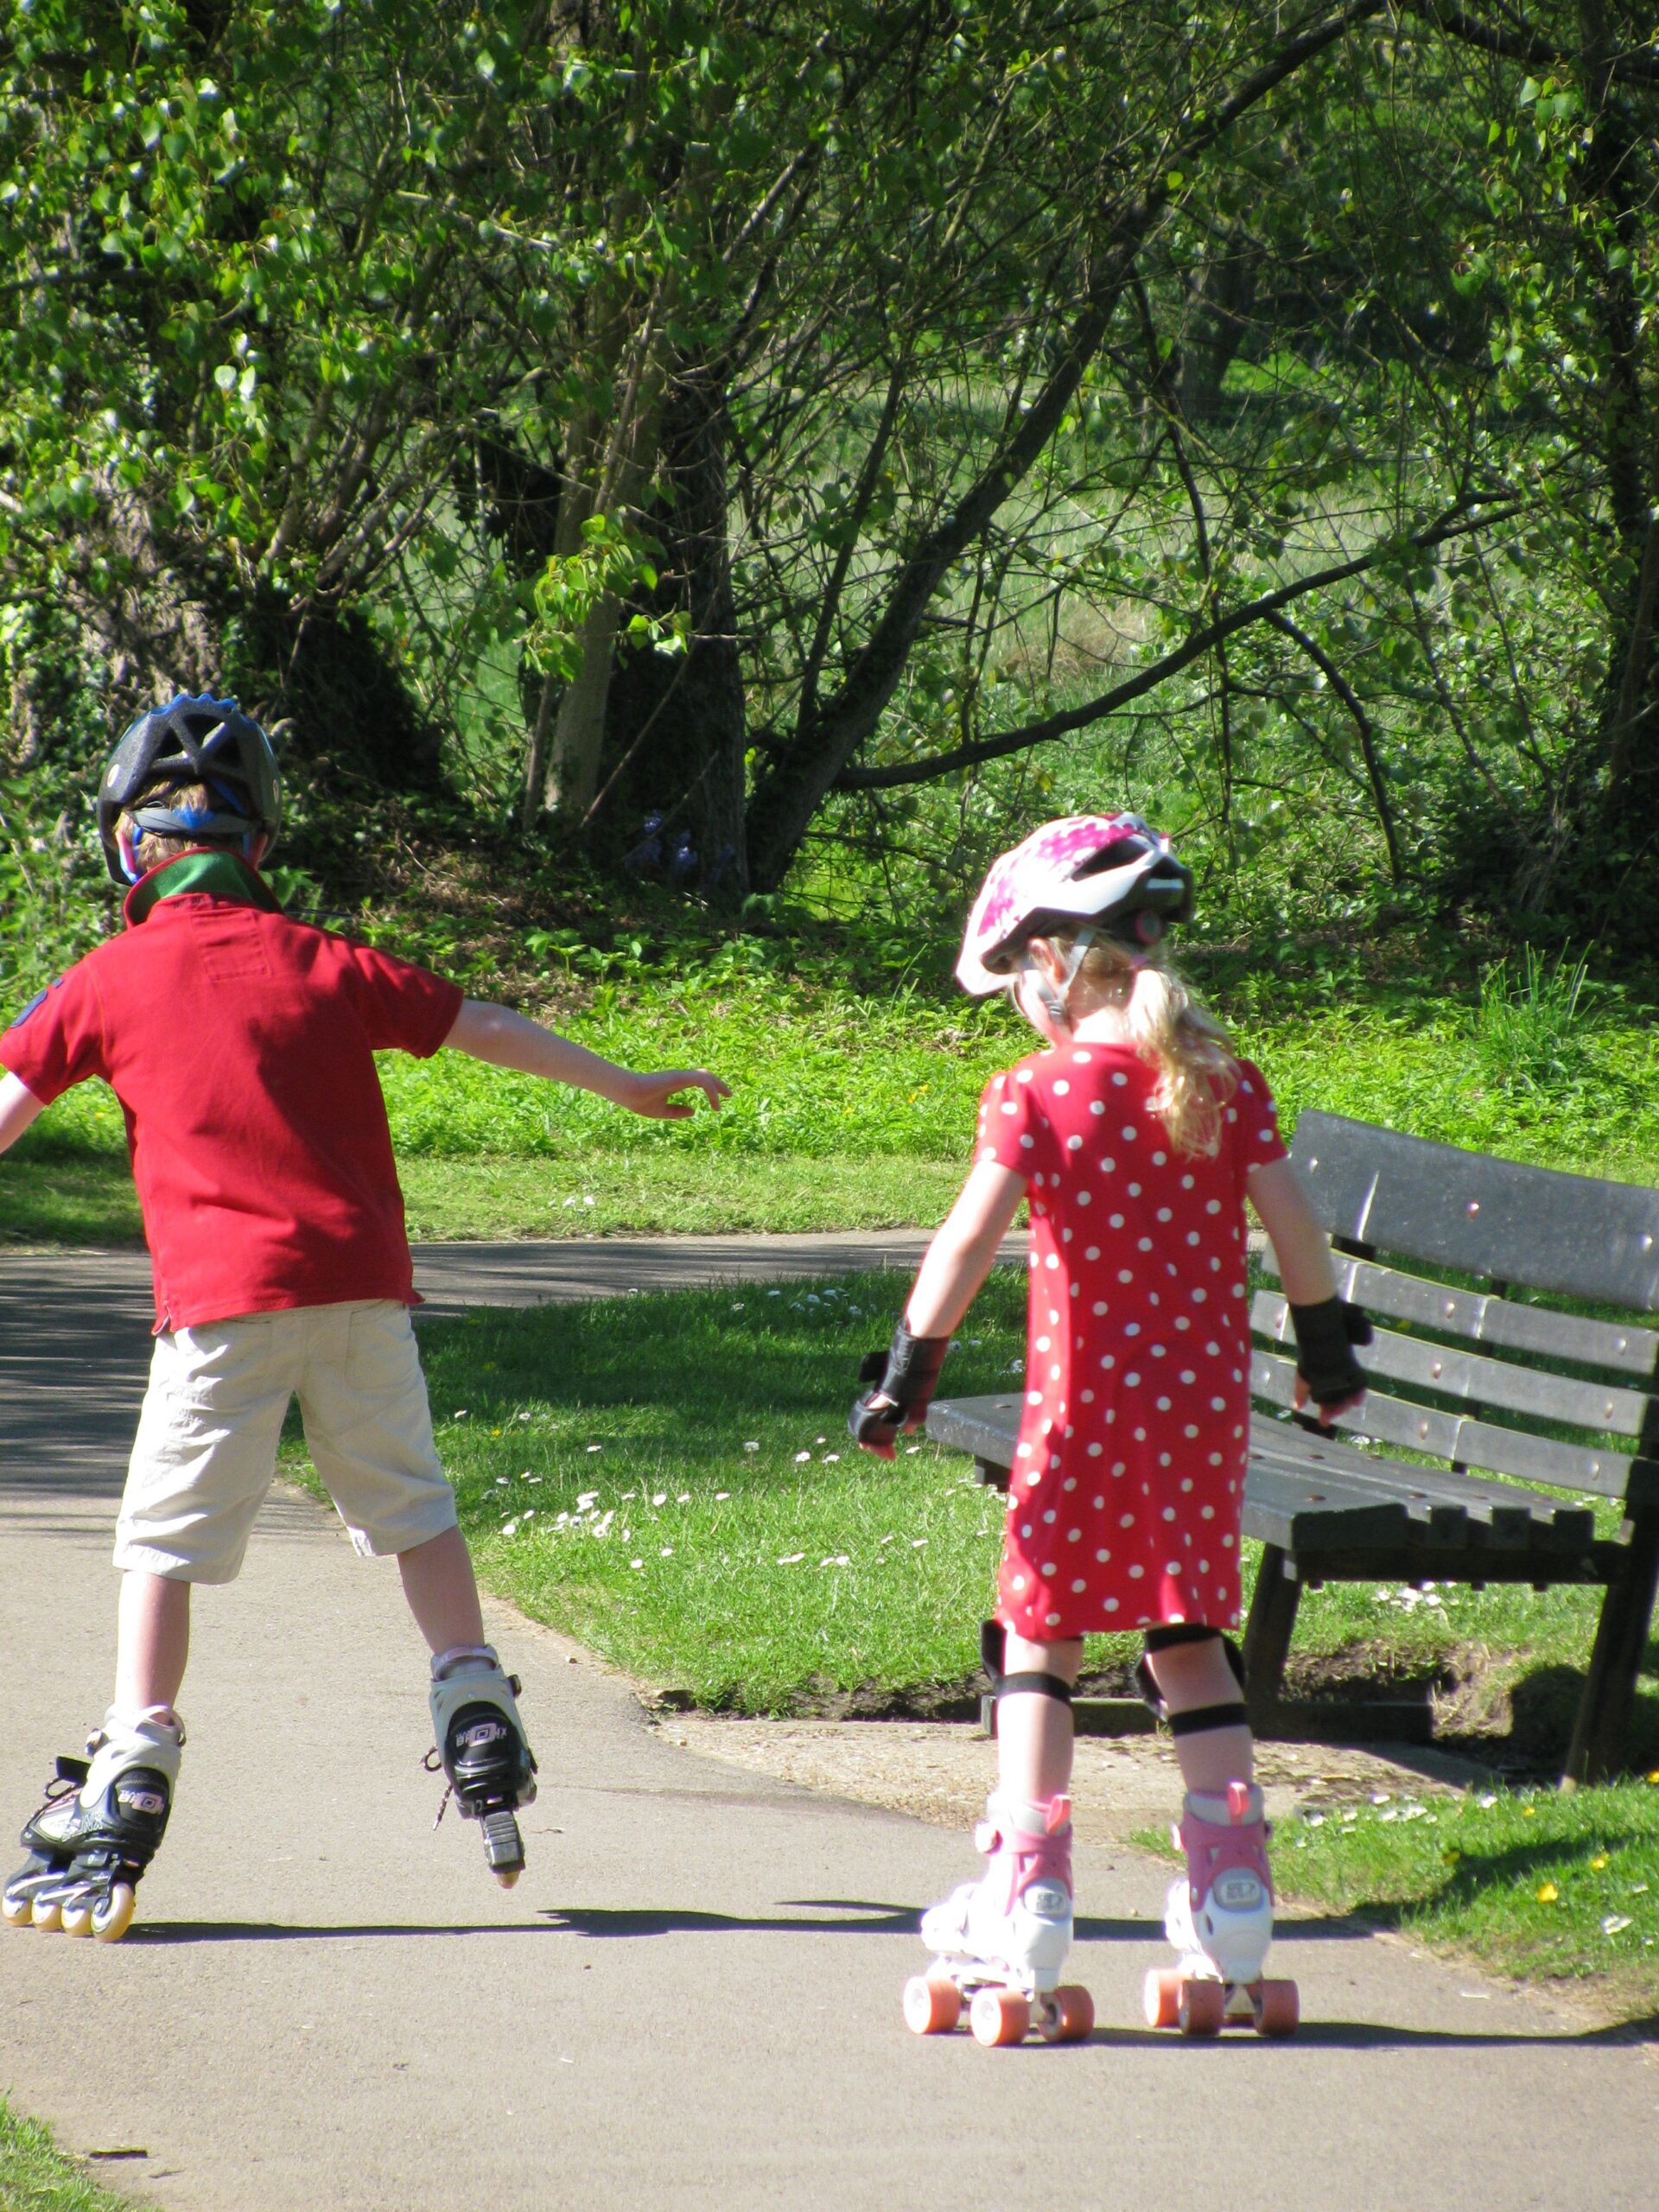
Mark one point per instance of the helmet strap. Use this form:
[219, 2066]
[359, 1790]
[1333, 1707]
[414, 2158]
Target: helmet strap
[1054, 1001]
[128, 858]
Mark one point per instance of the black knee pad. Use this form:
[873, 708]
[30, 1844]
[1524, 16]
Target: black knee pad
[993, 1647]
[1164, 1639]
[1200, 1719]
[1037, 1684]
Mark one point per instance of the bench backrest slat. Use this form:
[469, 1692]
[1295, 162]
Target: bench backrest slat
[1571, 1235]
[1620, 1348]
[1457, 1437]
[1493, 1384]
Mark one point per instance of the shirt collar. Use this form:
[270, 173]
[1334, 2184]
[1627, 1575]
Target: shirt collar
[208, 873]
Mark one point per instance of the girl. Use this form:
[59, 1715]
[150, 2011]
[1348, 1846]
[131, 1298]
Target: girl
[1136, 1133]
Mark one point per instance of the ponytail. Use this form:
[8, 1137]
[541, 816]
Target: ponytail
[1198, 1073]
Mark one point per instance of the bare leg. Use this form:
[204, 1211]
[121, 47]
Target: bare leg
[153, 1641]
[1033, 1732]
[441, 1592]
[1193, 1674]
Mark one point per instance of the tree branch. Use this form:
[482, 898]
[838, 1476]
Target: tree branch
[1456, 523]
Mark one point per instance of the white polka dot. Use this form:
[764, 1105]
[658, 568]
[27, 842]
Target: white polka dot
[1214, 1206]
[1128, 1133]
[1027, 1142]
[1053, 1620]
[1082, 1060]
[1119, 1079]
[1009, 1107]
[1095, 1450]
[1132, 1329]
[1062, 1088]
[1134, 1190]
[1099, 1305]
[1207, 1513]
[1023, 1074]
[1125, 1275]
[1136, 1571]
[1172, 1567]
[1109, 1605]
[1082, 1197]
[1169, 1513]
[1159, 1159]
[1088, 1397]
[1091, 1252]
[1102, 1556]
[1126, 1521]
[1164, 1213]
[1074, 1144]
[1108, 1166]
[1017, 1583]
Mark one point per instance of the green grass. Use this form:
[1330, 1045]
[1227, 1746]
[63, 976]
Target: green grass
[1542, 1884]
[851, 1110]
[36, 2176]
[674, 1388]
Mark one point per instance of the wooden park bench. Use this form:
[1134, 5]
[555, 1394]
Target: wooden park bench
[1456, 1256]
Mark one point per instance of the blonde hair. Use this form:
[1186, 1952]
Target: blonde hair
[151, 847]
[1198, 1069]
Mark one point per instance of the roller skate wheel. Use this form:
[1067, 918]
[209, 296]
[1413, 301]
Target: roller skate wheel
[1069, 2015]
[507, 1876]
[76, 1917]
[999, 2016]
[16, 1912]
[46, 1912]
[1276, 2008]
[1202, 2008]
[1161, 1997]
[112, 1916]
[932, 2008]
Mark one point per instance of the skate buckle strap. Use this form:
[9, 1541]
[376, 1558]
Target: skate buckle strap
[1059, 1812]
[1239, 1801]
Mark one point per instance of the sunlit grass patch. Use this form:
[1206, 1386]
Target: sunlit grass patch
[1544, 1884]
[36, 2176]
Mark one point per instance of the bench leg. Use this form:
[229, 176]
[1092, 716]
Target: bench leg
[1600, 1734]
[1267, 1636]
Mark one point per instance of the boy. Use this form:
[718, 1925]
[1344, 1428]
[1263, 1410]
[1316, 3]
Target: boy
[239, 1043]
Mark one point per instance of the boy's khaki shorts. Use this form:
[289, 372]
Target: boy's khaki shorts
[206, 1449]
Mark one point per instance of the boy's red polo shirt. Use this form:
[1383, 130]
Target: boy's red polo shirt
[240, 1045]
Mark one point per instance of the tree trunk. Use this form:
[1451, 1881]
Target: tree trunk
[671, 799]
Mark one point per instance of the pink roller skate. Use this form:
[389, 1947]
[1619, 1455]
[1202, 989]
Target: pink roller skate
[1219, 1917]
[1002, 1941]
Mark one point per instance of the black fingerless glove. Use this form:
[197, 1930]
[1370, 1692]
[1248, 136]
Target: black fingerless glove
[1325, 1336]
[906, 1372]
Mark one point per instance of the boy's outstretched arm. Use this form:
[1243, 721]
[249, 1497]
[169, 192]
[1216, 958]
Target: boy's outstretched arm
[957, 1261]
[507, 1040]
[18, 1108]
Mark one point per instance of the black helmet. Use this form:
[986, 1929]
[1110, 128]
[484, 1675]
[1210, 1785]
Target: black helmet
[191, 740]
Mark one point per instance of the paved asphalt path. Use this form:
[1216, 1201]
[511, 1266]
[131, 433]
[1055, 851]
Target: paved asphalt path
[692, 1999]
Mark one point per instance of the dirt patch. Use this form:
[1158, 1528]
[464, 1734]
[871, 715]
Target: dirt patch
[942, 1772]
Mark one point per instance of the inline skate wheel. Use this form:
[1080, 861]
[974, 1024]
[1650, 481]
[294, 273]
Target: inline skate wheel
[1202, 2009]
[932, 2008]
[503, 1848]
[999, 2016]
[16, 1912]
[46, 1912]
[1275, 2008]
[76, 1917]
[112, 1916]
[1068, 2015]
[1161, 1996]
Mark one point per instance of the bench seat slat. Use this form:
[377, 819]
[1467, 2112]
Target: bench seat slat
[1453, 1374]
[1456, 1508]
[1456, 1436]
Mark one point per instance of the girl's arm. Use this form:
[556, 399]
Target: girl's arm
[957, 1261]
[507, 1040]
[964, 1245]
[1280, 1197]
[18, 1108]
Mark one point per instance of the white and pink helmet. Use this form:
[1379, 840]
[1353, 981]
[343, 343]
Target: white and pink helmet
[1111, 870]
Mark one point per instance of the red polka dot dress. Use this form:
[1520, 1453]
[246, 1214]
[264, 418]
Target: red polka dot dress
[1128, 1475]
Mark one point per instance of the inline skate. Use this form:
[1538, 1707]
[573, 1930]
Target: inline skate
[101, 1825]
[481, 1747]
[1001, 1942]
[1219, 1917]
